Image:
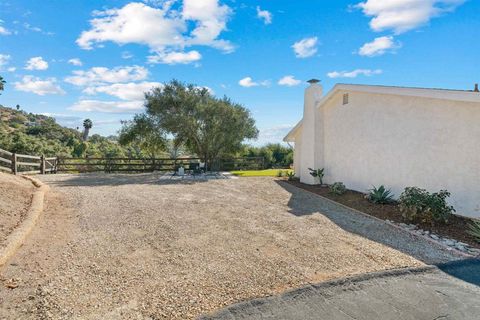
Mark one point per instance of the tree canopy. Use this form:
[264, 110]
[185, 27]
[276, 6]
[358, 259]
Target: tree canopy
[207, 126]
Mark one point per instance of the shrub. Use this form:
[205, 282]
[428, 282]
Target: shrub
[279, 173]
[474, 230]
[338, 188]
[317, 173]
[380, 195]
[419, 204]
[291, 175]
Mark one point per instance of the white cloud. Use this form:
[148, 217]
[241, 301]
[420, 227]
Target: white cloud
[175, 57]
[289, 81]
[4, 59]
[354, 73]
[101, 75]
[126, 55]
[273, 134]
[404, 15]
[107, 106]
[4, 31]
[248, 82]
[36, 63]
[264, 15]
[11, 69]
[306, 47]
[124, 91]
[378, 46]
[75, 62]
[163, 29]
[38, 86]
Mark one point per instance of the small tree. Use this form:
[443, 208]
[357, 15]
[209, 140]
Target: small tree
[87, 125]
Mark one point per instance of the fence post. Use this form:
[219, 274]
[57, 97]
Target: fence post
[14, 163]
[42, 164]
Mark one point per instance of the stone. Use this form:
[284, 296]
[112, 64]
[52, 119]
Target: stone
[449, 242]
[434, 237]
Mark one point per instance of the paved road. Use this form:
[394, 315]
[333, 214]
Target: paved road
[417, 294]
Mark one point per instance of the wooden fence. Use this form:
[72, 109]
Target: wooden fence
[26, 164]
[138, 165]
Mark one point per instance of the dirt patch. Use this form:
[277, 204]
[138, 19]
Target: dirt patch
[454, 229]
[15, 198]
[138, 247]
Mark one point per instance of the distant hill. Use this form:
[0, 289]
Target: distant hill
[29, 133]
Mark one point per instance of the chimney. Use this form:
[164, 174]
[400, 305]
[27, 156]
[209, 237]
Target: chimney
[313, 94]
[476, 88]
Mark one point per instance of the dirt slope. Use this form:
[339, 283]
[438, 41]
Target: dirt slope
[15, 197]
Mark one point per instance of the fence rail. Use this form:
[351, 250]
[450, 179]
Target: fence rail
[26, 164]
[139, 165]
[31, 164]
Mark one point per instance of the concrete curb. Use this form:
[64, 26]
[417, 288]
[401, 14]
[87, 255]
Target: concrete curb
[439, 244]
[16, 239]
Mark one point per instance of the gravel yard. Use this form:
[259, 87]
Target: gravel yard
[136, 247]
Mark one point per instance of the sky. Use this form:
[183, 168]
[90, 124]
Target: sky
[94, 59]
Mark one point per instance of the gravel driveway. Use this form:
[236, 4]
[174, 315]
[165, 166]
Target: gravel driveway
[134, 247]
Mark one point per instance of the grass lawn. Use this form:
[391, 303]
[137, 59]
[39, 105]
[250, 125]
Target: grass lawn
[261, 173]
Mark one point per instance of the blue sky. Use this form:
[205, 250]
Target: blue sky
[93, 59]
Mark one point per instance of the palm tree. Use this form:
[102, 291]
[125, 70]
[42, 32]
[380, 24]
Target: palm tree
[87, 125]
[2, 84]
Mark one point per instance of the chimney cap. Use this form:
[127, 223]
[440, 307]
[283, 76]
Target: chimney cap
[312, 81]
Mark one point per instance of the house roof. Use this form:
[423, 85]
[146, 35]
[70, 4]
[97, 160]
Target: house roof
[434, 93]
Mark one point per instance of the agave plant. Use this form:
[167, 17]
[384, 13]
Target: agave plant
[290, 175]
[474, 230]
[317, 173]
[380, 195]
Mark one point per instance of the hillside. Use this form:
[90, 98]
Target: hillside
[29, 133]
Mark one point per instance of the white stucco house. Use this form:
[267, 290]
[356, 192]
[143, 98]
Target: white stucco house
[367, 135]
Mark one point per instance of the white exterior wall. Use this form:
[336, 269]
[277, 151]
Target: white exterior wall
[297, 168]
[313, 94]
[402, 141]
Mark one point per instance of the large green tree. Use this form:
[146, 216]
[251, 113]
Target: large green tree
[207, 126]
[143, 133]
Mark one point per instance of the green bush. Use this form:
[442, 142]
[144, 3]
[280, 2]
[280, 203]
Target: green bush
[338, 188]
[419, 205]
[380, 195]
[474, 230]
[279, 173]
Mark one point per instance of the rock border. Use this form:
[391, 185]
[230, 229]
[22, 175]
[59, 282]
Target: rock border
[394, 225]
[17, 238]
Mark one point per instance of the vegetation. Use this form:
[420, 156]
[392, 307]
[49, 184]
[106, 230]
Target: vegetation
[29, 133]
[275, 155]
[475, 230]
[419, 204]
[338, 188]
[2, 84]
[291, 175]
[207, 126]
[380, 195]
[260, 173]
[87, 125]
[317, 173]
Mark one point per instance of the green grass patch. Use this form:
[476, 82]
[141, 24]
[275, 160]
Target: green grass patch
[261, 173]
